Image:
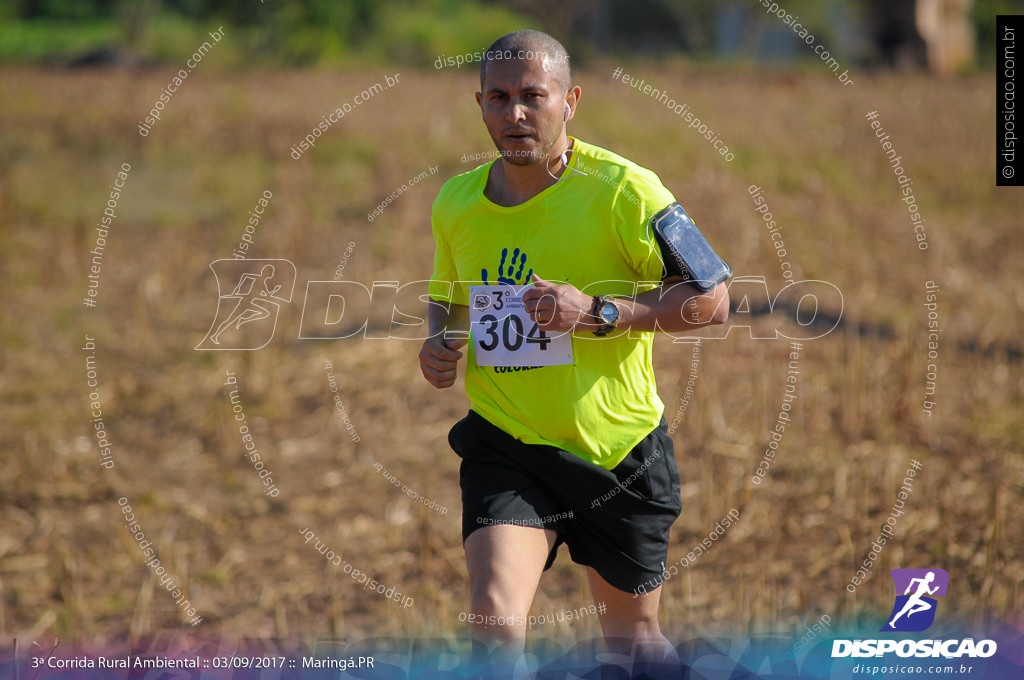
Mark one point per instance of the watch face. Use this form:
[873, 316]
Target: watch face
[609, 313]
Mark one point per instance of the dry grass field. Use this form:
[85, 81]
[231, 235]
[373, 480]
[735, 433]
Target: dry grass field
[69, 567]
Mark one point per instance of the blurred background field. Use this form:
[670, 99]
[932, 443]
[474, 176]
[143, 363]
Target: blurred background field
[68, 566]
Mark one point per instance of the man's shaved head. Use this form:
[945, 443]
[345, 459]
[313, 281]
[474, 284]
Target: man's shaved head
[530, 45]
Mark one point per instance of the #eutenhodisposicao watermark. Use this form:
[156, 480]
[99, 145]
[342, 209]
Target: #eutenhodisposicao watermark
[679, 108]
[152, 561]
[904, 180]
[520, 620]
[783, 421]
[888, 528]
[103, 228]
[688, 390]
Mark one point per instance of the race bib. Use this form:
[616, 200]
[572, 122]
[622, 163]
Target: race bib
[503, 334]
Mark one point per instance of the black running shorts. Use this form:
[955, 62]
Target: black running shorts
[616, 521]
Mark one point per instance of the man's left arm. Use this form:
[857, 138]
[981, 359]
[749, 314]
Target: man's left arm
[673, 307]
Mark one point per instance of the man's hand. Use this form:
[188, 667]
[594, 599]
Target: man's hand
[558, 306]
[439, 359]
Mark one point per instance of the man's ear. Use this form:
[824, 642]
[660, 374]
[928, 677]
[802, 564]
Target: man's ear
[573, 97]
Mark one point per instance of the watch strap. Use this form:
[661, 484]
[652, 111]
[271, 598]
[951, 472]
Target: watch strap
[603, 328]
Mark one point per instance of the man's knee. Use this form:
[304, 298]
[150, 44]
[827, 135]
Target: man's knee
[633, 625]
[487, 596]
[641, 645]
[637, 629]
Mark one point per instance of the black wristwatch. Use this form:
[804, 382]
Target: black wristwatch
[605, 313]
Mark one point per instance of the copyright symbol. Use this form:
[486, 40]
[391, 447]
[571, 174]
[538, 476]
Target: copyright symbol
[1007, 171]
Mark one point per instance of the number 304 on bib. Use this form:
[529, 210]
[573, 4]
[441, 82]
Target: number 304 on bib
[503, 334]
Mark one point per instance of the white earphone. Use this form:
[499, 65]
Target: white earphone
[565, 154]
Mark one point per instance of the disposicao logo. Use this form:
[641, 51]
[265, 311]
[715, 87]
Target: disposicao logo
[914, 611]
[251, 302]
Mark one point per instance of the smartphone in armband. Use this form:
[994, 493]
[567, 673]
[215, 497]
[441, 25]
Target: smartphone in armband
[684, 250]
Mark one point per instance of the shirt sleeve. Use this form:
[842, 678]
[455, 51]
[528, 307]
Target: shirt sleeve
[440, 287]
[638, 198]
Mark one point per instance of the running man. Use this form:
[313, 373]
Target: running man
[250, 306]
[541, 442]
[914, 603]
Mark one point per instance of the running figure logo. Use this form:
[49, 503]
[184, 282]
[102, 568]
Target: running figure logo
[247, 316]
[915, 611]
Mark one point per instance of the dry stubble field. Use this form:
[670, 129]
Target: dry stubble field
[68, 566]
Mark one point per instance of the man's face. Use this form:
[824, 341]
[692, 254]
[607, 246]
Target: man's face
[523, 108]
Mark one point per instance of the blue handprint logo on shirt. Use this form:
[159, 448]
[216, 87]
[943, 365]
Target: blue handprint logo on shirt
[509, 275]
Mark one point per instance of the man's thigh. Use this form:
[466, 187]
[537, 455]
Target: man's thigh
[505, 564]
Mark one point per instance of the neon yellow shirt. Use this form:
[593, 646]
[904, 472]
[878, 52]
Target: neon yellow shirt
[588, 230]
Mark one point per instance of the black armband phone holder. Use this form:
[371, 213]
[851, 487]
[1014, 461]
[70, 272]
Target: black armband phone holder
[684, 250]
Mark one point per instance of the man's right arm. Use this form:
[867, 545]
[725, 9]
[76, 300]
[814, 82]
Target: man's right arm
[439, 358]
